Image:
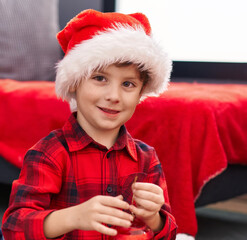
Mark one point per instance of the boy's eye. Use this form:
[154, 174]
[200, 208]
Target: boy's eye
[99, 78]
[128, 84]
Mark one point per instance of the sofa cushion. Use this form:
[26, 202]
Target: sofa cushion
[28, 45]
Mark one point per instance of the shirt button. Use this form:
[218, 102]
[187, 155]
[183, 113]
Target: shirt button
[108, 155]
[109, 189]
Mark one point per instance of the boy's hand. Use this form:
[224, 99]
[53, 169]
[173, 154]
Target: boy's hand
[149, 199]
[101, 210]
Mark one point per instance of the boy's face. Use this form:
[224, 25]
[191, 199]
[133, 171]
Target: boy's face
[107, 99]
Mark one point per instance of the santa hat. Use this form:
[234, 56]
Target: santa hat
[93, 39]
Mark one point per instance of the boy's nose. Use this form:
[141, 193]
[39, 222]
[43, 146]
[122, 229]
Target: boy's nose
[113, 94]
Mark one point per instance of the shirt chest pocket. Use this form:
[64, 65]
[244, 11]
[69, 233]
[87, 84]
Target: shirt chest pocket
[125, 183]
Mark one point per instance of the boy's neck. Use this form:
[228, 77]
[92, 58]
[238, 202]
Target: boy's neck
[106, 139]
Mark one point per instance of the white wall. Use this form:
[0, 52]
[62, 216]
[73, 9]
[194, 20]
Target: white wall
[196, 30]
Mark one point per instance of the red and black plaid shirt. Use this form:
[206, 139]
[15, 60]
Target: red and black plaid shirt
[68, 167]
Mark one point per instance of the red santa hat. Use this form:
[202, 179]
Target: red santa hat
[93, 39]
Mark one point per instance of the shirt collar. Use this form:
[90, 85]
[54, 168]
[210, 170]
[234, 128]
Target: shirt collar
[77, 138]
[125, 140]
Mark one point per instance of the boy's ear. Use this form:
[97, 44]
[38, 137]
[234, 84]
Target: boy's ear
[72, 89]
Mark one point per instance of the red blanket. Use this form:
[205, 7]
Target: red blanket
[196, 129]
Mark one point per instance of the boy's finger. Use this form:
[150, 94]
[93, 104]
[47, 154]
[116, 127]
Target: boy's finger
[112, 220]
[157, 198]
[146, 204]
[105, 230]
[116, 202]
[120, 197]
[144, 213]
[150, 187]
[109, 211]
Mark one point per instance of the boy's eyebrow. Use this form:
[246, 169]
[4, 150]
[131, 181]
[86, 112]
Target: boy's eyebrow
[101, 71]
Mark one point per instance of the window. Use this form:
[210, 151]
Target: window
[205, 39]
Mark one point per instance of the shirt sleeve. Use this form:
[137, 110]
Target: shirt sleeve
[31, 197]
[156, 176]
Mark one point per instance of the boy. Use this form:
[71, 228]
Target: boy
[78, 182]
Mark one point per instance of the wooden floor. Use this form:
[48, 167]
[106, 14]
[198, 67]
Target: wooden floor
[225, 220]
[238, 205]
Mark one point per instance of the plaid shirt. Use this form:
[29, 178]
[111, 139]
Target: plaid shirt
[68, 167]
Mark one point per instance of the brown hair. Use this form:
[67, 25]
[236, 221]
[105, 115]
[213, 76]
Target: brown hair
[144, 74]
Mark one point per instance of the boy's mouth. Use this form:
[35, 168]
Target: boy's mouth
[109, 111]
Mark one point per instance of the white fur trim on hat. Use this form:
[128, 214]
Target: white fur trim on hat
[119, 44]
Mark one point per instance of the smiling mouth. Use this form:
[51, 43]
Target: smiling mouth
[109, 111]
